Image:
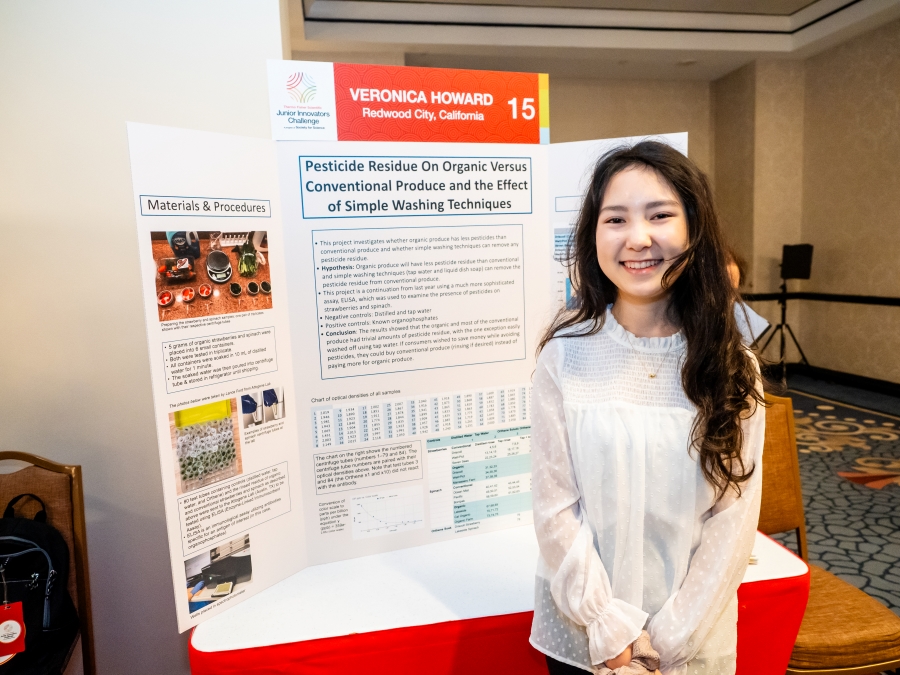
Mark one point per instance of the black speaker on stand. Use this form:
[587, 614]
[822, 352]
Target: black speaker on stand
[796, 263]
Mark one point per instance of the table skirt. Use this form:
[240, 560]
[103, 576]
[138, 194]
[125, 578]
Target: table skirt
[497, 645]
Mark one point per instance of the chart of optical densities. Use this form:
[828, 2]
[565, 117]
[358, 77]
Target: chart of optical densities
[353, 422]
[480, 480]
[387, 512]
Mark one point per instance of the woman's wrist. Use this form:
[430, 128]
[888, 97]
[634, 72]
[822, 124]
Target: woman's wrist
[639, 653]
[622, 659]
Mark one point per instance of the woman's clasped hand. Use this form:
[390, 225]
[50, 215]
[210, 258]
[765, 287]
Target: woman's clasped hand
[638, 659]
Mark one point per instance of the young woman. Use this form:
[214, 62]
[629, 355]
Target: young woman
[647, 433]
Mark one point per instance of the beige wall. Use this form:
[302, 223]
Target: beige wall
[758, 112]
[74, 375]
[851, 202]
[778, 167]
[734, 100]
[809, 152]
[587, 109]
[777, 186]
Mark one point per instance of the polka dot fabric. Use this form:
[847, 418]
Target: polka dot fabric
[630, 533]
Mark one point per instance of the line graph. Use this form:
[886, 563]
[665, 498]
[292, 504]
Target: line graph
[388, 511]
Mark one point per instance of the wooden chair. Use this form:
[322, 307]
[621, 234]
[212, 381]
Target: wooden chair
[844, 631]
[59, 486]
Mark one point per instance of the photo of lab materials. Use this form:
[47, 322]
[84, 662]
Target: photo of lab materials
[207, 444]
[218, 573]
[201, 273]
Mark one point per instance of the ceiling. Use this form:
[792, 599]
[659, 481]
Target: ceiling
[667, 39]
[776, 7]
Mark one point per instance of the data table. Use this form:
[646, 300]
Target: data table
[361, 421]
[480, 480]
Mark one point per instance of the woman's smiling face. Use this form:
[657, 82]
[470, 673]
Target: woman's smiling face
[642, 228]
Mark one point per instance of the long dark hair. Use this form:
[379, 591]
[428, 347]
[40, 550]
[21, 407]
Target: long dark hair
[719, 375]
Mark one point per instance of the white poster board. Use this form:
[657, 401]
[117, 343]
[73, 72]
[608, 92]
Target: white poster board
[366, 386]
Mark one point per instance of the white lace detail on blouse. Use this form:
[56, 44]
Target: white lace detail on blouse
[629, 531]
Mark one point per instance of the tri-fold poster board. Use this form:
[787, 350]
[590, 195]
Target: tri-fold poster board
[342, 321]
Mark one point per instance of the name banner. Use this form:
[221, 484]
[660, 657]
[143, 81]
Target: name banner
[314, 101]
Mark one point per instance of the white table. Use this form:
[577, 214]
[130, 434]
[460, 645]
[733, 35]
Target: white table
[483, 575]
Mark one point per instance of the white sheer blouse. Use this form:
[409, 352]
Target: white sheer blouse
[629, 531]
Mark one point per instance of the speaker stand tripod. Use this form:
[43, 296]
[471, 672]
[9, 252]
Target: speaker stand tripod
[780, 330]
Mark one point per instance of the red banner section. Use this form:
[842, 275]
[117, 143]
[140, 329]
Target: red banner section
[402, 103]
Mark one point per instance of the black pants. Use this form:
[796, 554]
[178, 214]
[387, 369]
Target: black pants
[559, 668]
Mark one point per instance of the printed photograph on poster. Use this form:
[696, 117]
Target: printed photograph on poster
[261, 406]
[273, 404]
[218, 573]
[206, 443]
[251, 409]
[207, 273]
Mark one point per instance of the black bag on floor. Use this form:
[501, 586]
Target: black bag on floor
[34, 570]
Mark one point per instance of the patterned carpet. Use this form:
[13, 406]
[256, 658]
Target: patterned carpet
[850, 473]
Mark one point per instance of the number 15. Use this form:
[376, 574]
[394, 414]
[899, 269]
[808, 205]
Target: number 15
[527, 108]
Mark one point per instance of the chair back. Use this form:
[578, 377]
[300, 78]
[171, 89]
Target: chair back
[60, 488]
[782, 498]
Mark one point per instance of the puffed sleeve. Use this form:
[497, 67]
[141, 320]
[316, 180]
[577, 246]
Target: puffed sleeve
[579, 583]
[718, 564]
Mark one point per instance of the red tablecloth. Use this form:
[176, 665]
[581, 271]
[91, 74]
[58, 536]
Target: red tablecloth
[771, 603]
[769, 615]
[493, 644]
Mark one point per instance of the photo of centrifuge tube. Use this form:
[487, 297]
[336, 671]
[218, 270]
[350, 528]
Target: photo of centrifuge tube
[252, 409]
[273, 400]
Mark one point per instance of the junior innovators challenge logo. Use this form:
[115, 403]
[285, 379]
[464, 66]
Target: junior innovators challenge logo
[301, 87]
